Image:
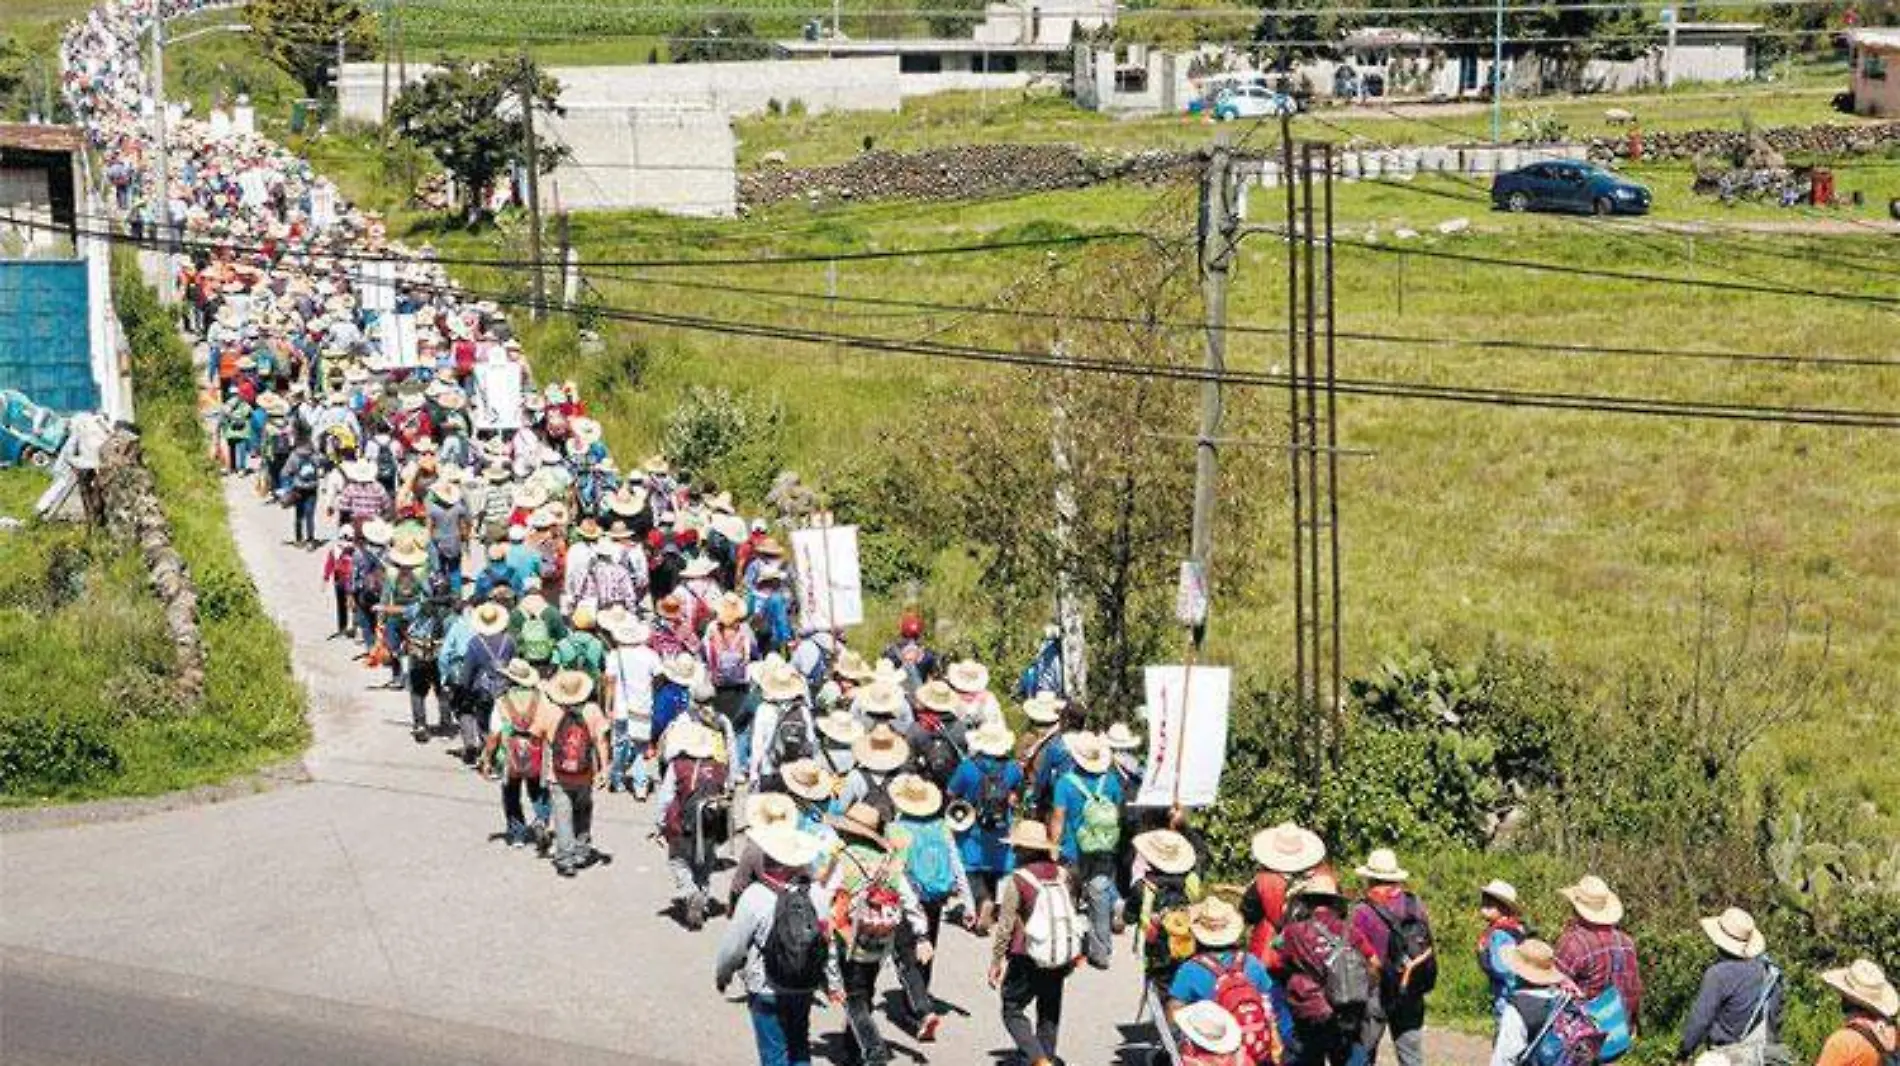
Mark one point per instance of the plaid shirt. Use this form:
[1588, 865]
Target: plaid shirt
[1594, 956]
[362, 500]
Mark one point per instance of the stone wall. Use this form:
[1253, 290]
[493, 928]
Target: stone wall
[1825, 140]
[960, 173]
[133, 515]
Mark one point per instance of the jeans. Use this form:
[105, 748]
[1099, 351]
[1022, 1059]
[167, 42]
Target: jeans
[303, 528]
[394, 628]
[573, 824]
[782, 1025]
[860, 1013]
[1405, 1020]
[240, 455]
[366, 621]
[622, 755]
[690, 881]
[1334, 1043]
[1025, 983]
[473, 713]
[1096, 875]
[511, 806]
[912, 975]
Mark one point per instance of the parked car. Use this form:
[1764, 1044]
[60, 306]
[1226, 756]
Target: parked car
[1253, 101]
[1567, 185]
[30, 435]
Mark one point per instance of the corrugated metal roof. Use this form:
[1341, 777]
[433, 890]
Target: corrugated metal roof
[41, 138]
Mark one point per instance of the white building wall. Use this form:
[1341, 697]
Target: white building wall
[680, 160]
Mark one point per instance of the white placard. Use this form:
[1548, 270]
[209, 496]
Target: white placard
[497, 395]
[830, 595]
[376, 280]
[1187, 734]
[399, 340]
[322, 207]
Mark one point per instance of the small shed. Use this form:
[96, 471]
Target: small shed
[1874, 62]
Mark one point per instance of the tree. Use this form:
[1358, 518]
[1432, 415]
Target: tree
[723, 36]
[301, 36]
[468, 116]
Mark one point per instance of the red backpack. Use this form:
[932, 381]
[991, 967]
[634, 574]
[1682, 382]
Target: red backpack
[1236, 994]
[1271, 888]
[523, 751]
[573, 752]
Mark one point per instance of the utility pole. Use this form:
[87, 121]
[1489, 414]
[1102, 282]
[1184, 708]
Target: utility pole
[1217, 226]
[1069, 623]
[528, 78]
[340, 54]
[161, 186]
[1497, 78]
[402, 52]
[389, 38]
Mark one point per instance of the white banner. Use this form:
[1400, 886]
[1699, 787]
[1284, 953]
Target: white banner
[376, 282]
[825, 561]
[497, 395]
[322, 207]
[399, 341]
[1187, 734]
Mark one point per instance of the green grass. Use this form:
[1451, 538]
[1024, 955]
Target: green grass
[87, 716]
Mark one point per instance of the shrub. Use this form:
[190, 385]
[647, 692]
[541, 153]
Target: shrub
[731, 438]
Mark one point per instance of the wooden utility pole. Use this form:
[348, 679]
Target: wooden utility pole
[162, 180]
[1218, 227]
[528, 78]
[1075, 663]
[389, 38]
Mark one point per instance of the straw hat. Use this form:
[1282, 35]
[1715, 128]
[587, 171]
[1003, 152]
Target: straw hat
[627, 501]
[378, 532]
[841, 727]
[568, 688]
[1320, 884]
[1534, 962]
[1288, 849]
[1594, 902]
[534, 603]
[1216, 923]
[531, 496]
[852, 667]
[968, 677]
[1734, 932]
[862, 821]
[1030, 835]
[521, 673]
[783, 684]
[937, 696]
[681, 669]
[656, 465]
[881, 750]
[1166, 850]
[496, 474]
[888, 671]
[1090, 753]
[807, 780]
[1121, 738]
[699, 566]
[689, 738]
[627, 632]
[880, 700]
[1208, 1026]
[585, 430]
[769, 573]
[720, 503]
[914, 796]
[1382, 866]
[447, 490]
[1043, 708]
[408, 553]
[993, 738]
[1865, 984]
[358, 470]
[588, 529]
[412, 401]
[769, 812]
[730, 609]
[1498, 891]
[790, 848]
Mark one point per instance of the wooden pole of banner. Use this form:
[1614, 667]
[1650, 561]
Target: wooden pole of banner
[1180, 737]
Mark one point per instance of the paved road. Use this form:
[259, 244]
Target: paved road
[377, 886]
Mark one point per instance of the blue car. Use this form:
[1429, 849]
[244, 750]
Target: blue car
[1566, 185]
[30, 435]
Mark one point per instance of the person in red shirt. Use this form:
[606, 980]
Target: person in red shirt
[1596, 954]
[1869, 1002]
[1323, 1032]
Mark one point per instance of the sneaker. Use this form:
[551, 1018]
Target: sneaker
[564, 870]
[927, 1029]
[420, 734]
[696, 913]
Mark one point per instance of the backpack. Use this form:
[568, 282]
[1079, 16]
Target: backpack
[536, 641]
[791, 738]
[937, 757]
[728, 658]
[1052, 934]
[992, 800]
[424, 637]
[306, 476]
[795, 943]
[877, 793]
[1167, 940]
[573, 751]
[874, 911]
[929, 863]
[1883, 1056]
[1611, 1016]
[386, 466]
[1408, 937]
[1100, 827]
[1236, 994]
[367, 576]
[1348, 977]
[521, 752]
[1565, 1035]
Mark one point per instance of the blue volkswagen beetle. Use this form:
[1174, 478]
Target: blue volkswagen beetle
[1567, 185]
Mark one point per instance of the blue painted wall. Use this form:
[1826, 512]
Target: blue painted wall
[45, 350]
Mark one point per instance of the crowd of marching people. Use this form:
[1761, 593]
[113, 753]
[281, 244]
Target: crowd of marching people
[570, 625]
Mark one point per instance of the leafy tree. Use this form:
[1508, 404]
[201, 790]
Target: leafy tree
[468, 116]
[955, 18]
[1182, 24]
[722, 36]
[300, 36]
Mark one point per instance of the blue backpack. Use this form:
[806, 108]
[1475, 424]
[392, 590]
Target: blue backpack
[929, 863]
[1611, 1016]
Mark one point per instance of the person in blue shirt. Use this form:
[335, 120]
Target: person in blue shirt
[991, 783]
[1218, 928]
[1504, 929]
[1086, 820]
